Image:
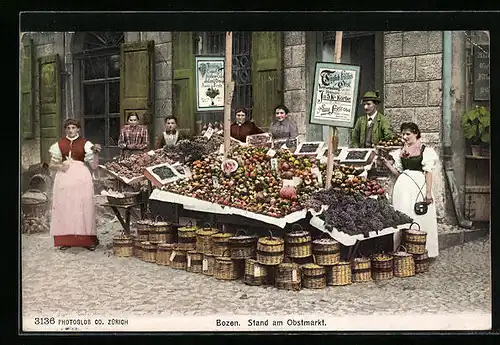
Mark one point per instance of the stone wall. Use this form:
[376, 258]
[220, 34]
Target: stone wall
[294, 74]
[413, 92]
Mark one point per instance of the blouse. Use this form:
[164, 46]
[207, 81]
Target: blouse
[429, 159]
[284, 129]
[133, 137]
[57, 156]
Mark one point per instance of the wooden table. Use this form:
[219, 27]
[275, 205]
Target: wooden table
[126, 223]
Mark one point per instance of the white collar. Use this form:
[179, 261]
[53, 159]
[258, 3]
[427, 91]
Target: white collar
[372, 116]
[72, 139]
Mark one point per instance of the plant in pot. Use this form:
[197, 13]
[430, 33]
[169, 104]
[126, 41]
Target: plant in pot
[476, 127]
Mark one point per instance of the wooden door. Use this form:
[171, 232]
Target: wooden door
[183, 92]
[136, 83]
[267, 76]
[27, 99]
[50, 104]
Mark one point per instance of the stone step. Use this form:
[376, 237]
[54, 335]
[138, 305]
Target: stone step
[460, 236]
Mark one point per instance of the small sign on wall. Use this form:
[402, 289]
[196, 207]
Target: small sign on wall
[335, 96]
[481, 73]
[209, 83]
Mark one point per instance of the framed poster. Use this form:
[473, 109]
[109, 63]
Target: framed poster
[481, 72]
[209, 83]
[335, 95]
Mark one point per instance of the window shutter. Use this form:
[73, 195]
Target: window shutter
[27, 95]
[50, 103]
[183, 81]
[267, 76]
[136, 83]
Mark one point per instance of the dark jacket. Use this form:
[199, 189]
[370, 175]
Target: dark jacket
[240, 132]
[382, 130]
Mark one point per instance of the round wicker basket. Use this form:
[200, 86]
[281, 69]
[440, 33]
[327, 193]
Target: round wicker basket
[204, 239]
[186, 237]
[178, 258]
[414, 240]
[208, 264]
[34, 203]
[220, 243]
[339, 274]
[270, 250]
[382, 266]
[149, 251]
[257, 274]
[227, 268]
[326, 251]
[123, 246]
[242, 247]
[421, 262]
[361, 270]
[143, 229]
[160, 231]
[194, 261]
[163, 253]
[404, 265]
[288, 277]
[298, 243]
[313, 276]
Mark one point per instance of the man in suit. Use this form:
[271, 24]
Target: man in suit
[373, 126]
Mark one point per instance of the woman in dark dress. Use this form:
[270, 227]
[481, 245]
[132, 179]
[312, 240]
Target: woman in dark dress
[243, 126]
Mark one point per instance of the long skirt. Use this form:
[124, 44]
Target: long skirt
[73, 219]
[404, 196]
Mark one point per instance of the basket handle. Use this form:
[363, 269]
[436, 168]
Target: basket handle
[209, 225]
[270, 234]
[401, 246]
[238, 231]
[414, 223]
[189, 223]
[324, 235]
[158, 216]
[224, 252]
[297, 225]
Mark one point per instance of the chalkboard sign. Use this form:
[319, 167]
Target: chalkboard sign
[481, 72]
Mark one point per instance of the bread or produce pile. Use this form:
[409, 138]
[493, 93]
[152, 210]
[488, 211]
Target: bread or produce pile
[134, 165]
[396, 140]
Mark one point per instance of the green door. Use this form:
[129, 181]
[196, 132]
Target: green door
[267, 76]
[50, 104]
[27, 99]
[136, 83]
[183, 85]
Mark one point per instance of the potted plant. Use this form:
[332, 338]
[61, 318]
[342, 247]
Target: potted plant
[476, 127]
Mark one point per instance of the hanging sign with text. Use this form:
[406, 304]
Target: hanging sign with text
[335, 96]
[209, 83]
[482, 73]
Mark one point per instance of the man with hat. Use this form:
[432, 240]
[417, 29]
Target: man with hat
[373, 126]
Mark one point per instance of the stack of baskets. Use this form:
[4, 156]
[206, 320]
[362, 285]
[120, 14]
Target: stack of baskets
[415, 241]
[326, 253]
[361, 270]
[382, 266]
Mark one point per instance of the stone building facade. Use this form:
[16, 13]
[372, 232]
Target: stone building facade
[410, 79]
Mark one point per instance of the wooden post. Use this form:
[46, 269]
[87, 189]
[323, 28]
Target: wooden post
[332, 138]
[228, 91]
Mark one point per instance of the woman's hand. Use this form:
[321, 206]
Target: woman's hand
[386, 162]
[96, 148]
[65, 166]
[428, 198]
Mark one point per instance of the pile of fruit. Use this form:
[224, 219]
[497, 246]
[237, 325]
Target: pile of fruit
[352, 184]
[396, 140]
[134, 165]
[255, 186]
[187, 151]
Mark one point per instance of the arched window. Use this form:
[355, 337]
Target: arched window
[100, 88]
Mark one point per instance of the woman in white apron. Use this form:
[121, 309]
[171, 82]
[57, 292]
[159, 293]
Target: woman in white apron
[413, 164]
[171, 135]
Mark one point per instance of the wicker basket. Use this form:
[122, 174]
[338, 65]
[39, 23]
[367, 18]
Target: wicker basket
[298, 243]
[208, 264]
[178, 258]
[194, 261]
[34, 203]
[220, 243]
[421, 262]
[339, 274]
[382, 266]
[242, 247]
[129, 198]
[123, 246]
[361, 270]
[227, 268]
[288, 277]
[270, 250]
[159, 231]
[204, 239]
[414, 240]
[313, 276]
[326, 251]
[404, 265]
[138, 248]
[163, 253]
[186, 237]
[149, 251]
[302, 261]
[143, 229]
[257, 274]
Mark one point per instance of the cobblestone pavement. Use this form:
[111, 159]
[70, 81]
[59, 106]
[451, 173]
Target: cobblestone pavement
[95, 283]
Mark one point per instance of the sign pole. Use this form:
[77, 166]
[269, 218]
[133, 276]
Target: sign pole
[228, 92]
[332, 138]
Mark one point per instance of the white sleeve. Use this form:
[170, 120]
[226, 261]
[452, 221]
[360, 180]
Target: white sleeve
[89, 154]
[397, 159]
[429, 159]
[55, 153]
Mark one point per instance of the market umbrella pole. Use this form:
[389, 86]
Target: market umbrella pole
[228, 91]
[332, 139]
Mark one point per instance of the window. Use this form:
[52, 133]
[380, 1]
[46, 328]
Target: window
[100, 88]
[214, 43]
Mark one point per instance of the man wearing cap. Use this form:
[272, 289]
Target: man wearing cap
[373, 126]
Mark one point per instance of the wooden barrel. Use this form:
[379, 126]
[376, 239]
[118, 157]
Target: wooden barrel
[149, 251]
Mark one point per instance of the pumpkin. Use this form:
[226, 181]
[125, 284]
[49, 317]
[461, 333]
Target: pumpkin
[288, 192]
